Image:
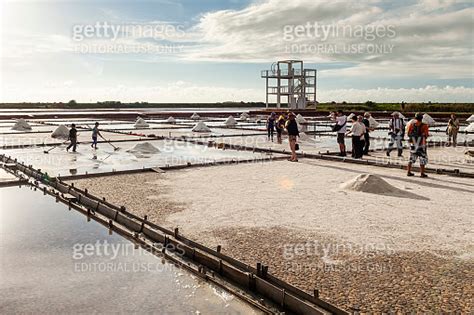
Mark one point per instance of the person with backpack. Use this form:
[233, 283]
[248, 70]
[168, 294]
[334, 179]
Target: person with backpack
[452, 130]
[293, 133]
[357, 131]
[271, 125]
[280, 126]
[72, 138]
[396, 126]
[341, 129]
[418, 132]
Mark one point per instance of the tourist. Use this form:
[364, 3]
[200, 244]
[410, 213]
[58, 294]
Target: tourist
[453, 129]
[341, 129]
[280, 126]
[95, 134]
[417, 134]
[366, 123]
[357, 132]
[396, 127]
[271, 125]
[293, 133]
[72, 138]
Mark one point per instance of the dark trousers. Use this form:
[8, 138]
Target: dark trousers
[394, 139]
[366, 143]
[357, 147]
[72, 145]
[270, 132]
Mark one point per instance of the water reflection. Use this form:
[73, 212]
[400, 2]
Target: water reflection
[53, 261]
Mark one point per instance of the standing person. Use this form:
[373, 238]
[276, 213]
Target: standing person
[396, 126]
[95, 134]
[453, 129]
[366, 123]
[72, 138]
[293, 133]
[279, 126]
[417, 134]
[271, 125]
[357, 133]
[341, 128]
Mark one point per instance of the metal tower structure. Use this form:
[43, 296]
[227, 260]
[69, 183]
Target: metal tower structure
[289, 78]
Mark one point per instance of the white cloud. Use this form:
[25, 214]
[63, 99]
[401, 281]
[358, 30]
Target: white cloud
[186, 92]
[432, 36]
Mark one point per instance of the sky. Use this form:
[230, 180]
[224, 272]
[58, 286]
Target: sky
[214, 50]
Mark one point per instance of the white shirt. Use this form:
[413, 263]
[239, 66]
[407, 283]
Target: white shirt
[357, 129]
[342, 120]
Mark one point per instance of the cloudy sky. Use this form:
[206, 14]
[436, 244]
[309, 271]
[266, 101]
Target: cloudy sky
[213, 50]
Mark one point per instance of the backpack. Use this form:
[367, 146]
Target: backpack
[416, 132]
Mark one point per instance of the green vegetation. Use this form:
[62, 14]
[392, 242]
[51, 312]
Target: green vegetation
[405, 107]
[72, 104]
[333, 106]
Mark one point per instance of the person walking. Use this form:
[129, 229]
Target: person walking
[293, 133]
[271, 125]
[341, 129]
[73, 138]
[95, 134]
[280, 126]
[357, 132]
[418, 132]
[396, 126]
[366, 123]
[452, 130]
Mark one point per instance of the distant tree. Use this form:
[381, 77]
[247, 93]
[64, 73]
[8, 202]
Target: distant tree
[72, 102]
[370, 103]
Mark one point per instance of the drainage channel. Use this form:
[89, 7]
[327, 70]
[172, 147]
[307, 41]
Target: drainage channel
[254, 285]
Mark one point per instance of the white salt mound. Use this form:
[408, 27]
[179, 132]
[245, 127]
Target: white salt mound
[306, 138]
[171, 120]
[470, 119]
[470, 128]
[244, 116]
[201, 127]
[302, 127]
[373, 184]
[21, 125]
[300, 119]
[230, 121]
[144, 148]
[141, 123]
[373, 123]
[427, 119]
[195, 116]
[60, 132]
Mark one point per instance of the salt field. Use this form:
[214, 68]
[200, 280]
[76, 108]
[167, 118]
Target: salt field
[193, 180]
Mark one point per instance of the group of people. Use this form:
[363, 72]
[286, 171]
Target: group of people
[72, 138]
[280, 124]
[360, 130]
[359, 133]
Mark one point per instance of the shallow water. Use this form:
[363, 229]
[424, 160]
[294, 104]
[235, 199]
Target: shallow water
[105, 159]
[54, 261]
